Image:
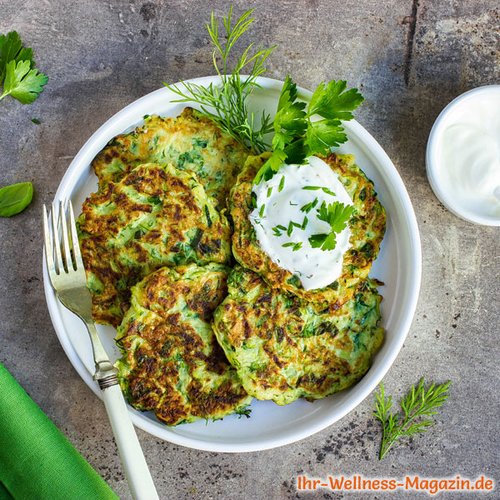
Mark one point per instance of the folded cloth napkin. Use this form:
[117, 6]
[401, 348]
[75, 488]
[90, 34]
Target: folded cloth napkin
[36, 459]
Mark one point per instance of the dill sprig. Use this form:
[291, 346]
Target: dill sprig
[418, 403]
[226, 102]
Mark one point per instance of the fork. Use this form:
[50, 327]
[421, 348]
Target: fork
[68, 279]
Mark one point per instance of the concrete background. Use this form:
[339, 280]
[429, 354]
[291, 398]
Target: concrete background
[409, 59]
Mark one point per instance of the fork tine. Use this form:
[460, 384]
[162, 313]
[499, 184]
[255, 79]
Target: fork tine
[65, 238]
[59, 268]
[49, 250]
[74, 238]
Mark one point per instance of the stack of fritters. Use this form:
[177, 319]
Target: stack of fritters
[155, 216]
[161, 202]
[287, 342]
[156, 245]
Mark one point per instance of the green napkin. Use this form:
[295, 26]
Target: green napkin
[36, 460]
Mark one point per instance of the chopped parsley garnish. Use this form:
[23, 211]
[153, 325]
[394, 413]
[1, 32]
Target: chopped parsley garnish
[317, 188]
[337, 215]
[278, 230]
[295, 246]
[291, 225]
[309, 206]
[261, 211]
[324, 241]
[253, 200]
[243, 411]
[269, 191]
[282, 184]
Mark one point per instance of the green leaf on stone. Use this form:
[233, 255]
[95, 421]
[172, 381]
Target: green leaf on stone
[15, 198]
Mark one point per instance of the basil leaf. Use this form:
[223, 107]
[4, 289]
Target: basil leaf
[15, 198]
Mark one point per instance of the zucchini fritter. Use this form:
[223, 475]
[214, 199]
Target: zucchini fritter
[155, 216]
[284, 349]
[171, 361]
[190, 142]
[367, 227]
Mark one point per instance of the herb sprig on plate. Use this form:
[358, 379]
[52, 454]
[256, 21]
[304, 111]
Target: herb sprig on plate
[300, 129]
[297, 131]
[226, 103]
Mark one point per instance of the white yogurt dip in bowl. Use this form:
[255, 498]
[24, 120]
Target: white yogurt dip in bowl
[463, 156]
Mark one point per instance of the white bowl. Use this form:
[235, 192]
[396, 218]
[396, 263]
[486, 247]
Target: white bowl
[398, 265]
[436, 173]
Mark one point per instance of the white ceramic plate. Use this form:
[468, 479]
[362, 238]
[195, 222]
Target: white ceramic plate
[398, 266]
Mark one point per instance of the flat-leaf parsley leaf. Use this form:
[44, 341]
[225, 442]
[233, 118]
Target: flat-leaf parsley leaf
[337, 216]
[18, 75]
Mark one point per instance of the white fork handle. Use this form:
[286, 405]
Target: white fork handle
[131, 455]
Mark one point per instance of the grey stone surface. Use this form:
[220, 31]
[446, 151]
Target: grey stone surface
[409, 59]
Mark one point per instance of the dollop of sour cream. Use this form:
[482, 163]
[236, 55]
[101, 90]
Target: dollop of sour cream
[469, 153]
[281, 200]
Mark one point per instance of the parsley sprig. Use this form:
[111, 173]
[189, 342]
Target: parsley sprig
[417, 407]
[226, 102]
[300, 129]
[18, 76]
[297, 132]
[337, 215]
